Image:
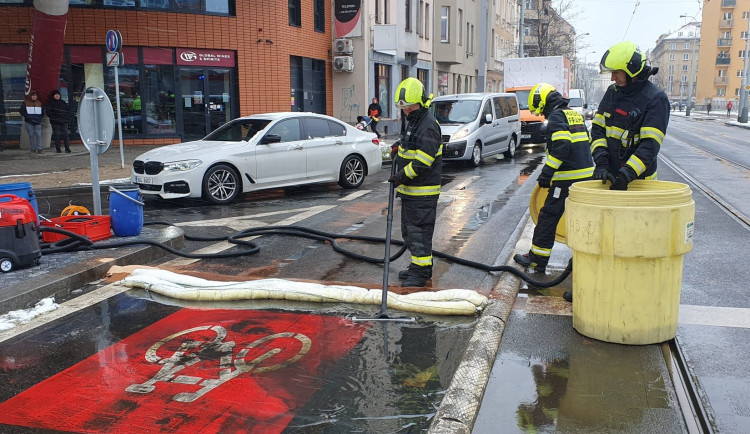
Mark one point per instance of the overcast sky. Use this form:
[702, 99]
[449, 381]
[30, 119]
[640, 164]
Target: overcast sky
[609, 22]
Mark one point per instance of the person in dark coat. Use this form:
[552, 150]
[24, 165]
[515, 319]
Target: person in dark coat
[374, 111]
[57, 111]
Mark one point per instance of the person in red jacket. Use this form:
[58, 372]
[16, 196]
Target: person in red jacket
[374, 111]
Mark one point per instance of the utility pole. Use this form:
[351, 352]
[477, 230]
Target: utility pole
[692, 62]
[742, 109]
[484, 41]
[521, 30]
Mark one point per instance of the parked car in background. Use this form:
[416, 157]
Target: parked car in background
[259, 152]
[477, 125]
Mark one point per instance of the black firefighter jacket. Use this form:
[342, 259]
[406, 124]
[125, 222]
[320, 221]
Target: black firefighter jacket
[629, 127]
[420, 157]
[568, 146]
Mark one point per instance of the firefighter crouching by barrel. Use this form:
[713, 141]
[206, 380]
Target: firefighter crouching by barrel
[568, 161]
[631, 121]
[418, 155]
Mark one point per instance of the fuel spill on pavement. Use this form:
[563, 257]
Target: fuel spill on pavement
[130, 364]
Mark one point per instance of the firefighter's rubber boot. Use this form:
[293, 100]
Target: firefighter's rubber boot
[403, 274]
[417, 277]
[568, 296]
[526, 262]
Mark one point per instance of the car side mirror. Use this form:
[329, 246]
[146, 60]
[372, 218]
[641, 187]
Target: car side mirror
[488, 118]
[270, 138]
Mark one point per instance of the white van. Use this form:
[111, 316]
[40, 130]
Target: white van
[577, 100]
[477, 125]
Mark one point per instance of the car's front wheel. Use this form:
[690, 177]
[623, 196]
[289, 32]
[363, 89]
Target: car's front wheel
[221, 184]
[476, 155]
[352, 173]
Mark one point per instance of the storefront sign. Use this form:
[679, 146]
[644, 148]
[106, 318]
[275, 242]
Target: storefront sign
[189, 56]
[347, 15]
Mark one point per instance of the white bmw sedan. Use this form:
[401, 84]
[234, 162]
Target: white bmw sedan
[258, 152]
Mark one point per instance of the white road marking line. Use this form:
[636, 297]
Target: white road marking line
[356, 194]
[240, 223]
[65, 309]
[714, 316]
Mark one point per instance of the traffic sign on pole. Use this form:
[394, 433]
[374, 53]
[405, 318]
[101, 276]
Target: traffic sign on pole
[113, 41]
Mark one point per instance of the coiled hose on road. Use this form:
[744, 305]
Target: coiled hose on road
[77, 242]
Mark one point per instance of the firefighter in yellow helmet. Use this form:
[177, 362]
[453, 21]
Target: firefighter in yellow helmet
[568, 161]
[631, 121]
[418, 155]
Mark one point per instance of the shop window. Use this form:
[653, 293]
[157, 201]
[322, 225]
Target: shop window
[154, 4]
[158, 99]
[12, 87]
[217, 6]
[131, 102]
[383, 88]
[120, 3]
[295, 13]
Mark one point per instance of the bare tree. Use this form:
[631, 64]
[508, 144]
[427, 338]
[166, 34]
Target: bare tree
[551, 34]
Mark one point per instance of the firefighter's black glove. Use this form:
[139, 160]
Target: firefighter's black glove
[394, 149]
[624, 177]
[601, 172]
[396, 179]
[544, 180]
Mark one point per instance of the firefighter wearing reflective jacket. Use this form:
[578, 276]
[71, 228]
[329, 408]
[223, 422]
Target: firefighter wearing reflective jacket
[418, 155]
[631, 121]
[568, 161]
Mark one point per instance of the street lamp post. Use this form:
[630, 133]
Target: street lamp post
[742, 109]
[692, 61]
[575, 57]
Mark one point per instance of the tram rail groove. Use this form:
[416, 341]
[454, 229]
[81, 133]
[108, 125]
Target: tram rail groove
[697, 419]
[732, 211]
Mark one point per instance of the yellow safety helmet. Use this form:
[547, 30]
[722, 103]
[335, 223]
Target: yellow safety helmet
[538, 97]
[623, 56]
[410, 92]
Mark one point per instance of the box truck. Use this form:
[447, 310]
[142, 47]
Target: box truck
[521, 74]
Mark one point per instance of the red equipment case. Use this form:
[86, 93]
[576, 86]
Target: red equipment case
[95, 227]
[19, 234]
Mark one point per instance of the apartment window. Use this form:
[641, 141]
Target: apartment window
[671, 56]
[684, 67]
[684, 78]
[740, 73]
[383, 87]
[407, 14]
[404, 72]
[460, 29]
[670, 78]
[737, 91]
[743, 35]
[722, 91]
[679, 34]
[722, 73]
[529, 4]
[745, 14]
[471, 38]
[420, 8]
[423, 76]
[727, 15]
[726, 35]
[377, 12]
[671, 69]
[295, 13]
[427, 21]
[527, 30]
[687, 45]
[686, 56]
[320, 16]
[445, 23]
[742, 54]
[672, 46]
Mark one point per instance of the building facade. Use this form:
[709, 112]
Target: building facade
[725, 35]
[189, 65]
[677, 55]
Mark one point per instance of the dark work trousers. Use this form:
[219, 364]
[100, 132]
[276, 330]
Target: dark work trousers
[417, 226]
[374, 127]
[60, 134]
[549, 217]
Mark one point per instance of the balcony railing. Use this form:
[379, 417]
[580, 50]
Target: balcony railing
[725, 42]
[728, 3]
[723, 60]
[724, 24]
[720, 80]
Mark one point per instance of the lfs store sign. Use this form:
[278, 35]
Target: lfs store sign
[190, 56]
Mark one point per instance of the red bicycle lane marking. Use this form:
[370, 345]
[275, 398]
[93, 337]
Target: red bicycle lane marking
[193, 371]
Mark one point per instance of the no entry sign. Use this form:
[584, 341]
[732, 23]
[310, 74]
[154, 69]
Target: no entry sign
[194, 371]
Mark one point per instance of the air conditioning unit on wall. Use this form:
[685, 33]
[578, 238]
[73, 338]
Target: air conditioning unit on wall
[343, 64]
[343, 46]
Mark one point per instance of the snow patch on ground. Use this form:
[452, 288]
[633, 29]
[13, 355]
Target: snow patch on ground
[22, 316]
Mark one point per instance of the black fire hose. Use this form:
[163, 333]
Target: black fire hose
[78, 242]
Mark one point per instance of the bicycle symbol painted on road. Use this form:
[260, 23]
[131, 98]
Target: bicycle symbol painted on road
[189, 354]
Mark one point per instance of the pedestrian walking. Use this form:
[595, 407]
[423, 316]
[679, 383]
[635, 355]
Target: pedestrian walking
[31, 110]
[708, 108]
[631, 121]
[57, 111]
[730, 106]
[568, 161]
[418, 155]
[374, 111]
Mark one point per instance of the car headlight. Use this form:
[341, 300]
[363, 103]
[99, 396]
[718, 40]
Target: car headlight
[181, 166]
[460, 134]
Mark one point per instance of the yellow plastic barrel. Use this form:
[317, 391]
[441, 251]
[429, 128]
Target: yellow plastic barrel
[536, 202]
[627, 258]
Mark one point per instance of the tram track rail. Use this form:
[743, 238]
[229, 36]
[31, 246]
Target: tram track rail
[697, 419]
